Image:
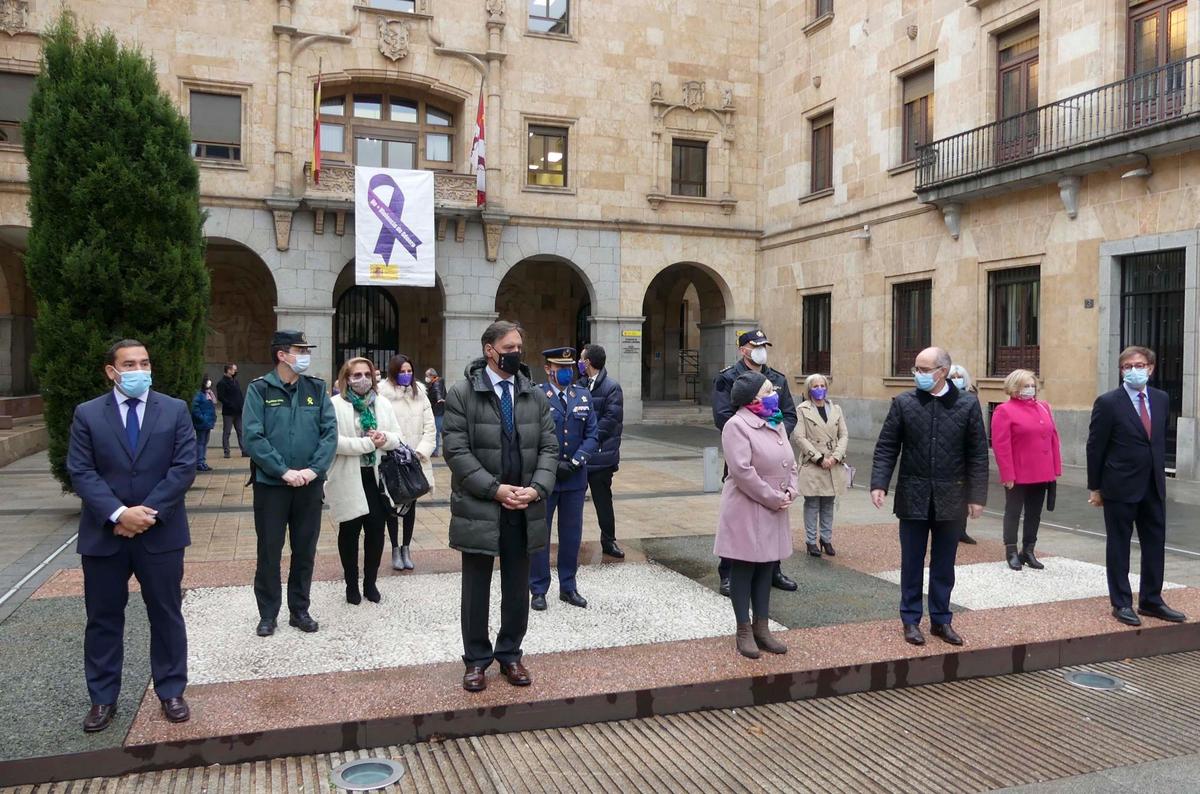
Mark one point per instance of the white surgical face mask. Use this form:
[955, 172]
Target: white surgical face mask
[1027, 393]
[959, 383]
[301, 364]
[759, 355]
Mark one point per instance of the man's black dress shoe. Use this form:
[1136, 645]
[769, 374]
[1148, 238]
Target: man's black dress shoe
[475, 679]
[538, 602]
[573, 598]
[266, 627]
[967, 539]
[176, 709]
[612, 550]
[813, 549]
[724, 588]
[946, 632]
[913, 635]
[1126, 616]
[1163, 612]
[780, 581]
[303, 621]
[99, 717]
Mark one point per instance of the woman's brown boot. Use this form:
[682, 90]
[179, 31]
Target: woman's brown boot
[745, 642]
[764, 640]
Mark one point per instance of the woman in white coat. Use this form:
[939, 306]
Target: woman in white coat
[418, 431]
[366, 428]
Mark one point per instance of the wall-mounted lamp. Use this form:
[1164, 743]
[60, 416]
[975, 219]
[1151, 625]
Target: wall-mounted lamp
[862, 234]
[1144, 171]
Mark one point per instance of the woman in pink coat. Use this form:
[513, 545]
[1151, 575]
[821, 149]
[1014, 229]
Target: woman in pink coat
[753, 530]
[1026, 444]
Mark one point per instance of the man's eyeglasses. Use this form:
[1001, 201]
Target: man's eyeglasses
[924, 370]
[1138, 367]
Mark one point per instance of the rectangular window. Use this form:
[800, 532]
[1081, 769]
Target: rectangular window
[822, 153]
[918, 112]
[437, 147]
[1013, 320]
[216, 121]
[817, 321]
[912, 307]
[1156, 44]
[16, 90]
[383, 153]
[689, 168]
[547, 156]
[823, 7]
[394, 5]
[549, 16]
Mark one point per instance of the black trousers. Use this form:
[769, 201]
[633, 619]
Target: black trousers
[723, 568]
[1150, 516]
[105, 594]
[941, 539]
[750, 585]
[296, 512]
[371, 527]
[600, 484]
[514, 596]
[1029, 497]
[231, 422]
[393, 525]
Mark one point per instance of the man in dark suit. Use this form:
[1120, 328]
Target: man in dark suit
[132, 458]
[608, 403]
[1126, 471]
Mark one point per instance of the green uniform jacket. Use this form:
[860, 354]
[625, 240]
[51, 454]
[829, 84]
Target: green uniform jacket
[288, 427]
[471, 444]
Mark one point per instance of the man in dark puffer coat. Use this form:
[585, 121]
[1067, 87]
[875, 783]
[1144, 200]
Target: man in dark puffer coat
[500, 445]
[937, 433]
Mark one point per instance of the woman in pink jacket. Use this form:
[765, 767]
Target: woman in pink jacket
[1026, 444]
[753, 530]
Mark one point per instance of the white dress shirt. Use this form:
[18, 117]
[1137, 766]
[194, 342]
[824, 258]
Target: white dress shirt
[1133, 395]
[123, 410]
[498, 379]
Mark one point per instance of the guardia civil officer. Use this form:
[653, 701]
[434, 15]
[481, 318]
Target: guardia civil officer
[752, 352]
[578, 437]
[291, 437]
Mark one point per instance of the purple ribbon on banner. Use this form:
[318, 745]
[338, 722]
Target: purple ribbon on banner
[393, 231]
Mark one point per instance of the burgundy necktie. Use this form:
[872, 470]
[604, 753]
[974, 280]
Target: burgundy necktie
[1145, 414]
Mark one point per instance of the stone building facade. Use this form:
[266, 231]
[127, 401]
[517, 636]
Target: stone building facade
[1015, 180]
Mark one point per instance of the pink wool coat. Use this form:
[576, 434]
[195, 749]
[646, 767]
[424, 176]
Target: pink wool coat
[1025, 442]
[762, 468]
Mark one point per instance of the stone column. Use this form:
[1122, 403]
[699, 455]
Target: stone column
[283, 100]
[624, 357]
[461, 341]
[317, 325]
[493, 109]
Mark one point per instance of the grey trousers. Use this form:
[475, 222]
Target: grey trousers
[818, 508]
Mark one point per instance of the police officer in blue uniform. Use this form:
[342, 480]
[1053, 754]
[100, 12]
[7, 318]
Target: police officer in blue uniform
[575, 424]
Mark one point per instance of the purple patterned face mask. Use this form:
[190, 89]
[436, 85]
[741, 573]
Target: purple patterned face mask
[582, 364]
[404, 379]
[819, 392]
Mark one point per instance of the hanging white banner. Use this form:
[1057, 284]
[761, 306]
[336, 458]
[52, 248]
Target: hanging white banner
[393, 227]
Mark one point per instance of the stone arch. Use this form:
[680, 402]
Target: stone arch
[552, 298]
[17, 312]
[419, 328]
[242, 314]
[686, 306]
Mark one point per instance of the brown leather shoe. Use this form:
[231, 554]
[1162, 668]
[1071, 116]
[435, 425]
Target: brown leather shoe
[99, 717]
[516, 674]
[176, 709]
[475, 679]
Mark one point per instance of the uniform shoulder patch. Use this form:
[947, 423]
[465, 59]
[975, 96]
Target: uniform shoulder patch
[727, 369]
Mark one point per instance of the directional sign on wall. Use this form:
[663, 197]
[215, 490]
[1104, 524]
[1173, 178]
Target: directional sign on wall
[393, 227]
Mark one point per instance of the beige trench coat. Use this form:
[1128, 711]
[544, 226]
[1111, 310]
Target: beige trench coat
[815, 439]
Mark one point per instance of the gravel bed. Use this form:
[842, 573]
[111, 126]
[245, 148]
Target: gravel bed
[418, 623]
[989, 585]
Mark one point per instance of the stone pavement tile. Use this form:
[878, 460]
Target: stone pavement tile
[41, 647]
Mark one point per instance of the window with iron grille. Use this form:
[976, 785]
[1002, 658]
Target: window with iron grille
[216, 121]
[822, 153]
[1015, 297]
[16, 90]
[912, 309]
[918, 112]
[817, 320]
[689, 168]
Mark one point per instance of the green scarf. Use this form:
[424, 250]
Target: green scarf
[774, 419]
[366, 418]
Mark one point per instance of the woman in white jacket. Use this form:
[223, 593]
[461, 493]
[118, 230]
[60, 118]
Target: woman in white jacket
[366, 428]
[418, 430]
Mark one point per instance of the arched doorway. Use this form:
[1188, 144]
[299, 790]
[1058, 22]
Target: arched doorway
[378, 322]
[683, 339]
[17, 312]
[242, 315]
[551, 300]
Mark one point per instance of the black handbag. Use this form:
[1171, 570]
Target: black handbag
[402, 476]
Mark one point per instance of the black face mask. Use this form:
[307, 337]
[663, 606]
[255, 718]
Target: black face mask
[509, 363]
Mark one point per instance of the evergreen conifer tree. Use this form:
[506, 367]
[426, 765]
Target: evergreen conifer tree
[115, 246]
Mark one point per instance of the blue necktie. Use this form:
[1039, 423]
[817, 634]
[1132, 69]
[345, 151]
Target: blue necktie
[132, 428]
[506, 407]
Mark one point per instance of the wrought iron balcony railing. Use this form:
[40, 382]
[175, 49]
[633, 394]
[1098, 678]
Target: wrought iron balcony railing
[1137, 104]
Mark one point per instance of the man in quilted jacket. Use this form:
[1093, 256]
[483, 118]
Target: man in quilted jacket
[936, 433]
